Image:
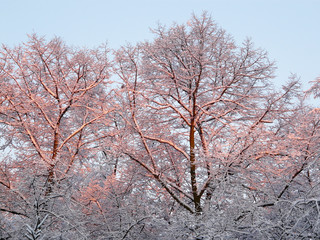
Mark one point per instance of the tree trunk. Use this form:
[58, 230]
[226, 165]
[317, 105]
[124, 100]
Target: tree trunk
[193, 176]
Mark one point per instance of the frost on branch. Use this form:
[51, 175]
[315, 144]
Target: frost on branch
[35, 232]
[195, 144]
[315, 88]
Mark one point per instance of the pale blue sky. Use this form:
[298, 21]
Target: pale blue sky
[288, 29]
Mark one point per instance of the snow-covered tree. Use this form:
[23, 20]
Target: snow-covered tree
[54, 103]
[197, 107]
[190, 140]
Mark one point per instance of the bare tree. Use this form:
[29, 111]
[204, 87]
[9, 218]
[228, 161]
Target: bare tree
[54, 103]
[190, 141]
[198, 105]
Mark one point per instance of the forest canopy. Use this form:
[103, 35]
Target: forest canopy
[181, 137]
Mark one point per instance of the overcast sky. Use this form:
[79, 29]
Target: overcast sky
[288, 29]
